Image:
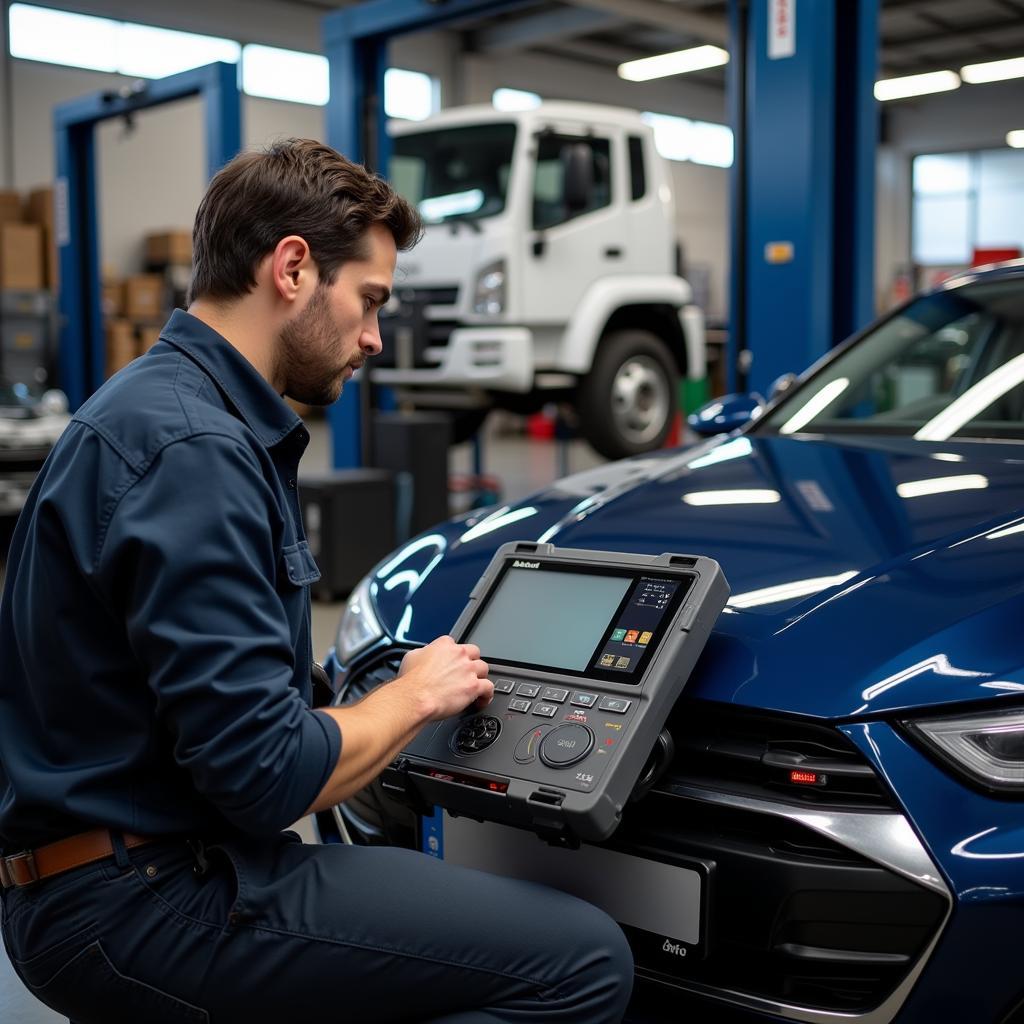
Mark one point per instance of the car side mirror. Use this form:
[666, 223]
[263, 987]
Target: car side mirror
[781, 385]
[722, 415]
[578, 176]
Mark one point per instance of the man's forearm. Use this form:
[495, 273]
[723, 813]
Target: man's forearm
[373, 732]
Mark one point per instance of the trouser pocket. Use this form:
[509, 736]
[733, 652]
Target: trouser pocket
[89, 989]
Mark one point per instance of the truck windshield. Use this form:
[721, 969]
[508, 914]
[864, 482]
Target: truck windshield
[454, 172]
[950, 364]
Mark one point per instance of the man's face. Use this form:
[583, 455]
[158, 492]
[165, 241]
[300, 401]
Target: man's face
[337, 331]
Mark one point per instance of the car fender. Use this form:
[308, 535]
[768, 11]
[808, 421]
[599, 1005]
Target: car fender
[603, 298]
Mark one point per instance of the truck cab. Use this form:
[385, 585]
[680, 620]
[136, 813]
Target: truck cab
[548, 272]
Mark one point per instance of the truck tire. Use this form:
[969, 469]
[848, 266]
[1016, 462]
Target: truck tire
[627, 402]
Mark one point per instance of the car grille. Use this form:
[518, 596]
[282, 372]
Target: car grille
[795, 916]
[754, 753]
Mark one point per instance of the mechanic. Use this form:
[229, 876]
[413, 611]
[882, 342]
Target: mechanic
[155, 658]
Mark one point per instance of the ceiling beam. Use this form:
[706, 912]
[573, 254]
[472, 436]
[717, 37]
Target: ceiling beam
[549, 27]
[664, 16]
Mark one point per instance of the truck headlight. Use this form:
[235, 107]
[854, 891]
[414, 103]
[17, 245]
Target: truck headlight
[489, 294]
[987, 747]
[359, 626]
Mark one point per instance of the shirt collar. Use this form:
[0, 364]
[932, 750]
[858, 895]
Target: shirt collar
[264, 411]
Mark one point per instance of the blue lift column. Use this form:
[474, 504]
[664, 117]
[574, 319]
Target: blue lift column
[805, 120]
[356, 44]
[82, 348]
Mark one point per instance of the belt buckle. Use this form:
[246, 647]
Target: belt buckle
[19, 863]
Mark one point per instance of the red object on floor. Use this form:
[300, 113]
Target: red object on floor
[675, 432]
[540, 426]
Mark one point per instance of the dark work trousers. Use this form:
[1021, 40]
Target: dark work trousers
[278, 931]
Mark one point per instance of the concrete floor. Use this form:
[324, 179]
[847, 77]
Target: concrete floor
[520, 464]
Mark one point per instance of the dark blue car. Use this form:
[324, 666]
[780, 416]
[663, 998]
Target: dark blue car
[849, 752]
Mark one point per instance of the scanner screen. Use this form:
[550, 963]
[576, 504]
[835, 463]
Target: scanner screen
[550, 619]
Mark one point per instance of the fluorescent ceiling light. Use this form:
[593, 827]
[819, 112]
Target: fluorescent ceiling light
[678, 62]
[679, 138]
[57, 37]
[942, 485]
[1015, 139]
[736, 497]
[278, 74]
[147, 52]
[993, 71]
[825, 397]
[514, 99]
[916, 85]
[409, 94]
[973, 401]
[788, 591]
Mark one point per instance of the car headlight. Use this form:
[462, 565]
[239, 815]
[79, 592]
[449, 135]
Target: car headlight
[489, 294]
[359, 626]
[987, 747]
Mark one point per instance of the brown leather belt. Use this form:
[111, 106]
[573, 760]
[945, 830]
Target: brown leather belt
[55, 858]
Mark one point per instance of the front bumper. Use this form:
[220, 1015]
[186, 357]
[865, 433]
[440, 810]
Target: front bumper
[821, 907]
[489, 358]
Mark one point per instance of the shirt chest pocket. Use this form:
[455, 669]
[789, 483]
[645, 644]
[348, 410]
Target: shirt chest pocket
[297, 567]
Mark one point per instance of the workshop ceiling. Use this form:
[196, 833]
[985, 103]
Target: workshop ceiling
[916, 35]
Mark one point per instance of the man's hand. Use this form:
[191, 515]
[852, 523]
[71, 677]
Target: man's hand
[434, 682]
[446, 678]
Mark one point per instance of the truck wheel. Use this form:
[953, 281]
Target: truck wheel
[628, 400]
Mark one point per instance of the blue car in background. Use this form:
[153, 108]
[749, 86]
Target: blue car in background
[849, 752]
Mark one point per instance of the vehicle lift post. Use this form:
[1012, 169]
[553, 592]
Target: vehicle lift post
[81, 360]
[805, 128]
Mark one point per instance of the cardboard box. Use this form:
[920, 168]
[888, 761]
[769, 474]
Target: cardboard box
[10, 207]
[164, 248]
[39, 209]
[143, 297]
[21, 256]
[122, 346]
[111, 297]
[148, 336]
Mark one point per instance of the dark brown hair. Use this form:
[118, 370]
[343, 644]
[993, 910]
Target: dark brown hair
[294, 187]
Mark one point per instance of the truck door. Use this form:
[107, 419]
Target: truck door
[576, 239]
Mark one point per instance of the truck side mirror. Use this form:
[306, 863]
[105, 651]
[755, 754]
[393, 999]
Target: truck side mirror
[577, 176]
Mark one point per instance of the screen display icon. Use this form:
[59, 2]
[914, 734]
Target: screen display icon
[622, 663]
[607, 660]
[645, 638]
[618, 635]
[632, 636]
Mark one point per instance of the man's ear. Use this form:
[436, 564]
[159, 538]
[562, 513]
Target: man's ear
[292, 267]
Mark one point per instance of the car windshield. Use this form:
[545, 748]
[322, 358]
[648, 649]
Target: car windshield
[453, 173]
[948, 365]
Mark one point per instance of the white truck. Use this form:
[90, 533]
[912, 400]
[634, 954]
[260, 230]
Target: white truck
[549, 272]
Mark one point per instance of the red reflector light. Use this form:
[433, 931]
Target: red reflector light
[806, 778]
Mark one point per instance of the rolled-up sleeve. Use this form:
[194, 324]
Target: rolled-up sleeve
[192, 551]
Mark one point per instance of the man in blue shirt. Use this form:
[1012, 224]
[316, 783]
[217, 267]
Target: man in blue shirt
[155, 659]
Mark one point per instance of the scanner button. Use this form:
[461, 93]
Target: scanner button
[583, 700]
[526, 748]
[475, 734]
[566, 745]
[504, 685]
[554, 693]
[616, 704]
[527, 690]
[519, 705]
[546, 710]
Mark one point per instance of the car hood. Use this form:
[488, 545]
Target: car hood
[868, 575]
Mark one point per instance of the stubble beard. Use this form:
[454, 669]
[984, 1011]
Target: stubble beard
[309, 353]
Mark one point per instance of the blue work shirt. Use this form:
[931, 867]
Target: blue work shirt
[155, 646]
